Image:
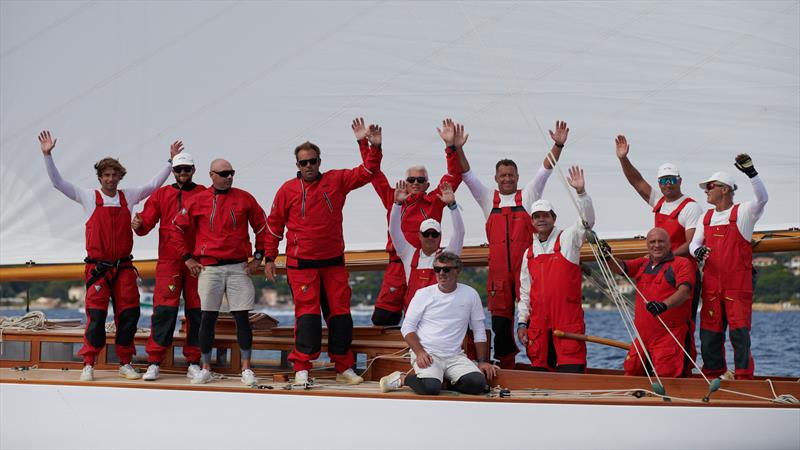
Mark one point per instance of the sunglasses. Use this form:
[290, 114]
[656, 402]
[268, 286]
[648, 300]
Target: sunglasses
[668, 181]
[225, 173]
[182, 169]
[305, 162]
[430, 233]
[443, 269]
[418, 180]
[712, 185]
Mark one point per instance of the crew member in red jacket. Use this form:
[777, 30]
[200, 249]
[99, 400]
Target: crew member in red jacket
[666, 281]
[110, 274]
[420, 205]
[309, 207]
[219, 216]
[172, 275]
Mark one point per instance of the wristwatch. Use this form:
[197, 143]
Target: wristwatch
[258, 255]
[187, 256]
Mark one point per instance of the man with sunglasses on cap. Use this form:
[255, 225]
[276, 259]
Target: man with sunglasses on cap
[418, 206]
[418, 260]
[435, 325]
[110, 274]
[508, 231]
[722, 241]
[172, 275]
[673, 211]
[550, 286]
[309, 207]
[218, 218]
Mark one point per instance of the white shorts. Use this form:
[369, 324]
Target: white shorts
[230, 280]
[453, 367]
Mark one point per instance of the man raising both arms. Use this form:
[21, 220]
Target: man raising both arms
[508, 231]
[109, 272]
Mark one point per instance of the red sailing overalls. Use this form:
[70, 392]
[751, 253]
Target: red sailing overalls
[110, 275]
[656, 284]
[417, 279]
[555, 305]
[677, 237]
[509, 231]
[727, 298]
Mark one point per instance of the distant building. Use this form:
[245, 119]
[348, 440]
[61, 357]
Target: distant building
[76, 293]
[764, 261]
[794, 265]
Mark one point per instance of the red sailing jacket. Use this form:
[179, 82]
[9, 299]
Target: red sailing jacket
[416, 208]
[161, 208]
[417, 279]
[108, 231]
[219, 221]
[311, 213]
[656, 284]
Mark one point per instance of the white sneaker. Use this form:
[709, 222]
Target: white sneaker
[203, 377]
[348, 377]
[300, 378]
[392, 382]
[152, 373]
[87, 374]
[127, 371]
[249, 378]
[192, 371]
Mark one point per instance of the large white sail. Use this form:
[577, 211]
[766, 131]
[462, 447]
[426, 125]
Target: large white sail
[691, 83]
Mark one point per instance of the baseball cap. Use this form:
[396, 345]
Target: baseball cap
[722, 177]
[430, 224]
[541, 206]
[182, 159]
[668, 169]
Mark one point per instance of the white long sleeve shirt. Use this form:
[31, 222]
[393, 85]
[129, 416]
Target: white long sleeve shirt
[485, 196]
[440, 319]
[406, 251]
[86, 197]
[572, 239]
[749, 213]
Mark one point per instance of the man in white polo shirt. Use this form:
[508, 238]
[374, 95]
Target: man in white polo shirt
[434, 327]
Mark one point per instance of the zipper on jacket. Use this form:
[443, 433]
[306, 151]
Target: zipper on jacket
[508, 244]
[213, 211]
[233, 217]
[328, 201]
[303, 204]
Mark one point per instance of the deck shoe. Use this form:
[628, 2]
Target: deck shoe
[152, 373]
[300, 378]
[87, 374]
[249, 378]
[392, 382]
[203, 377]
[127, 371]
[192, 371]
[348, 377]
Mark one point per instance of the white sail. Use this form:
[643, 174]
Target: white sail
[691, 83]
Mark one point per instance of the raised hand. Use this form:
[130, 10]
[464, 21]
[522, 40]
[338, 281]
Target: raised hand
[136, 223]
[576, 179]
[47, 142]
[358, 128]
[460, 138]
[175, 148]
[561, 133]
[446, 194]
[374, 135]
[745, 164]
[622, 146]
[447, 132]
[400, 192]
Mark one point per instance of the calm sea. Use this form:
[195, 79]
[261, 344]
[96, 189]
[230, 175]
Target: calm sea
[775, 337]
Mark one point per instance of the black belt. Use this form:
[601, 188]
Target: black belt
[318, 263]
[101, 267]
[226, 262]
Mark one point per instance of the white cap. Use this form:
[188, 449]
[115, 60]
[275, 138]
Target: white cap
[722, 177]
[541, 206]
[430, 224]
[182, 159]
[668, 169]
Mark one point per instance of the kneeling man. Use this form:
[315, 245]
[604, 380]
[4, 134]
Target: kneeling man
[434, 327]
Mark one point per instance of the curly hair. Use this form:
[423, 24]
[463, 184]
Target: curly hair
[110, 163]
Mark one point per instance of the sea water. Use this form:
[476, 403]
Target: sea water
[775, 336]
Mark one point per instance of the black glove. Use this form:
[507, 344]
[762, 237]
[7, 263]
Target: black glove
[745, 164]
[701, 253]
[656, 308]
[605, 249]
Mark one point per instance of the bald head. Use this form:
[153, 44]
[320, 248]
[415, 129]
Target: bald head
[221, 174]
[658, 245]
[220, 164]
[658, 233]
